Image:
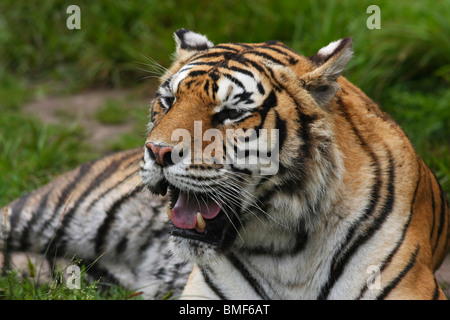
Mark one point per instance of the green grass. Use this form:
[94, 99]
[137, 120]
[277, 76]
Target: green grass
[112, 112]
[31, 153]
[115, 39]
[15, 286]
[425, 117]
[404, 66]
[138, 117]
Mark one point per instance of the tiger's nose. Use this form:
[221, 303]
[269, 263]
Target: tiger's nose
[162, 154]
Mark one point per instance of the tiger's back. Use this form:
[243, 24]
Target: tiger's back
[351, 213]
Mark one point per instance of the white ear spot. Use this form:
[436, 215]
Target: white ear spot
[329, 49]
[191, 41]
[341, 48]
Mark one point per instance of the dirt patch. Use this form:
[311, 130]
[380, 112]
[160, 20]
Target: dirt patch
[82, 107]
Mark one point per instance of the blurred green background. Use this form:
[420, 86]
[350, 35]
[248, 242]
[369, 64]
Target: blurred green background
[404, 66]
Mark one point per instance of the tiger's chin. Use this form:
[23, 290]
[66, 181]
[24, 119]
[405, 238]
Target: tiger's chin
[202, 246]
[193, 251]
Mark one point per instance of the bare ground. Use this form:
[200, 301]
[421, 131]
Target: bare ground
[83, 106]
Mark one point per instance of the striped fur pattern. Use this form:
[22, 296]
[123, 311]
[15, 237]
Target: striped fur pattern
[351, 213]
[101, 214]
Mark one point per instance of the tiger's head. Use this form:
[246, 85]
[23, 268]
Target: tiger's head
[242, 136]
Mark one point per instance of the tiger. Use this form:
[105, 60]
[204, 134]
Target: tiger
[342, 207]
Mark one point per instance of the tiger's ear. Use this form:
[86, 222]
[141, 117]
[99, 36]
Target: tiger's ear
[330, 62]
[190, 43]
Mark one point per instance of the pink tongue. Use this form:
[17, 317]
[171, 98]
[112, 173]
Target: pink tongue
[184, 213]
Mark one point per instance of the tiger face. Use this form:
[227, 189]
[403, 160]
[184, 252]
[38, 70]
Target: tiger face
[241, 136]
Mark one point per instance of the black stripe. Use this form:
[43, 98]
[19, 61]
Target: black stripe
[15, 215]
[304, 133]
[274, 81]
[344, 254]
[261, 88]
[305, 121]
[206, 87]
[269, 103]
[292, 182]
[225, 47]
[196, 73]
[100, 197]
[442, 216]
[204, 63]
[260, 182]
[16, 212]
[242, 98]
[65, 194]
[150, 234]
[248, 276]
[110, 217]
[433, 205]
[210, 284]
[95, 183]
[304, 130]
[175, 273]
[99, 179]
[51, 245]
[226, 55]
[226, 114]
[265, 56]
[240, 170]
[234, 80]
[400, 276]
[122, 245]
[255, 65]
[188, 85]
[280, 125]
[275, 84]
[389, 257]
[244, 71]
[96, 272]
[238, 121]
[242, 45]
[269, 46]
[166, 84]
[299, 239]
[436, 290]
[25, 241]
[341, 259]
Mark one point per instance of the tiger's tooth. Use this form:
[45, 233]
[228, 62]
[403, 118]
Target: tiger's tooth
[169, 212]
[201, 224]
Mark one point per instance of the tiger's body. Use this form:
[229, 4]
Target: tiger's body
[351, 212]
[99, 213]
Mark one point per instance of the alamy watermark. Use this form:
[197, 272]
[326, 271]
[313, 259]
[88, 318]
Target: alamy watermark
[374, 21]
[74, 20]
[374, 279]
[74, 279]
[238, 147]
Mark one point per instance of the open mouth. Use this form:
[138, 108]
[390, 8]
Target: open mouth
[199, 216]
